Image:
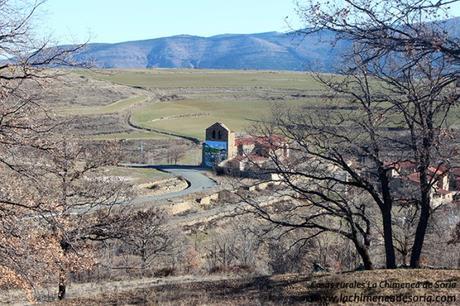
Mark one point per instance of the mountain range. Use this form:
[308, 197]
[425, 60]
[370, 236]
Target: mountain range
[262, 51]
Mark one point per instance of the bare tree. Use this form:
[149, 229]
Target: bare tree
[320, 207]
[146, 235]
[404, 222]
[235, 247]
[24, 129]
[387, 115]
[396, 26]
[175, 154]
[79, 200]
[398, 87]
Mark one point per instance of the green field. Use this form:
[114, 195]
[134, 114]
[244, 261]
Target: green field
[138, 135]
[239, 99]
[177, 78]
[191, 117]
[115, 107]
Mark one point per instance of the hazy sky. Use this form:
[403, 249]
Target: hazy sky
[122, 20]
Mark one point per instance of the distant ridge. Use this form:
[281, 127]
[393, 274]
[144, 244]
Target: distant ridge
[261, 51]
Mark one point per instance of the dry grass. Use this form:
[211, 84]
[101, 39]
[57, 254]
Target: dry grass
[290, 289]
[115, 107]
[176, 78]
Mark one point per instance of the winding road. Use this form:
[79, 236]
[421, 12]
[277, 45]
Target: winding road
[195, 177]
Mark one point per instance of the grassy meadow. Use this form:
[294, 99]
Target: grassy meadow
[237, 98]
[178, 78]
[191, 117]
[115, 107]
[195, 99]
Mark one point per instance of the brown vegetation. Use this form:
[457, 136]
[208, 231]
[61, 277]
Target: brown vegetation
[290, 289]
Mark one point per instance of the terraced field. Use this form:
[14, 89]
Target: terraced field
[168, 102]
[115, 107]
[185, 102]
[185, 78]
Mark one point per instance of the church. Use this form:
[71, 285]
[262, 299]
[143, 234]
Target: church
[224, 151]
[219, 145]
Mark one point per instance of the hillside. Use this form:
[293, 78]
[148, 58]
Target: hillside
[262, 51]
[269, 51]
[429, 287]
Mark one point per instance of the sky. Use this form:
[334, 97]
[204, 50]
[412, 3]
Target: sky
[112, 21]
[121, 20]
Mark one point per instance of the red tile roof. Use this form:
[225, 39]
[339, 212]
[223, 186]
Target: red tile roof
[246, 140]
[272, 141]
[410, 165]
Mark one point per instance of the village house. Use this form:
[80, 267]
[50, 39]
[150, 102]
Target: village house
[406, 175]
[243, 155]
[252, 156]
[405, 179]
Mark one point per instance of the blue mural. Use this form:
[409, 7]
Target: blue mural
[214, 152]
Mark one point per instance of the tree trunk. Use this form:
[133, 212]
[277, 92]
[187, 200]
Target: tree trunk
[425, 190]
[62, 285]
[143, 261]
[405, 248]
[364, 253]
[420, 235]
[385, 209]
[388, 239]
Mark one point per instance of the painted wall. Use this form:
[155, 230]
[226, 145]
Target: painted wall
[214, 152]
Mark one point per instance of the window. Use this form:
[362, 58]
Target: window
[219, 135]
[214, 134]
